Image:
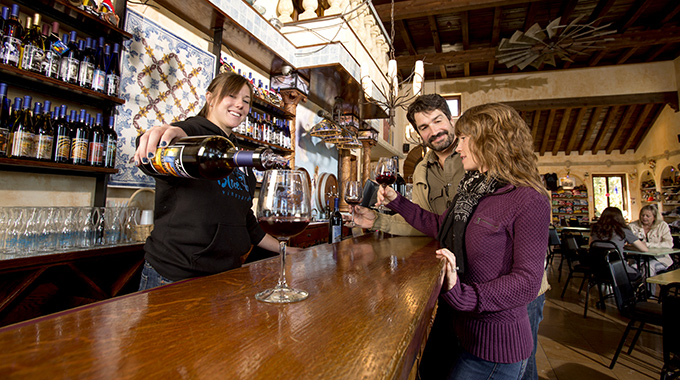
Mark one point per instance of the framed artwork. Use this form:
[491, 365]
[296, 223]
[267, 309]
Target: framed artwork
[163, 80]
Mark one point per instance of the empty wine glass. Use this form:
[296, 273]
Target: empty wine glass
[385, 174]
[353, 195]
[283, 211]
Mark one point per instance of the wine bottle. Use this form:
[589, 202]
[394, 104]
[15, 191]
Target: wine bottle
[111, 145]
[86, 69]
[32, 46]
[62, 137]
[3, 19]
[11, 40]
[113, 72]
[208, 157]
[22, 137]
[335, 225]
[44, 135]
[69, 61]
[99, 75]
[4, 119]
[95, 156]
[79, 139]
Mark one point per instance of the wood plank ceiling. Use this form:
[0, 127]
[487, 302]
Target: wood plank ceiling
[459, 39]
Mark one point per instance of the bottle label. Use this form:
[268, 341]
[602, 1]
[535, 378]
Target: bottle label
[23, 144]
[32, 58]
[11, 51]
[336, 234]
[59, 47]
[63, 150]
[69, 69]
[4, 135]
[50, 65]
[95, 154]
[44, 147]
[110, 154]
[85, 74]
[99, 80]
[112, 82]
[79, 150]
[168, 161]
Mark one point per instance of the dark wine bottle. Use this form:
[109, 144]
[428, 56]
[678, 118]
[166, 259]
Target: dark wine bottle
[54, 50]
[62, 137]
[208, 157]
[86, 69]
[113, 72]
[79, 139]
[335, 224]
[111, 145]
[95, 156]
[44, 138]
[4, 119]
[33, 46]
[11, 40]
[22, 137]
[99, 75]
[3, 19]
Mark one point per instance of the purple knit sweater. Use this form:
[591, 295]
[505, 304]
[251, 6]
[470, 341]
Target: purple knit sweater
[506, 242]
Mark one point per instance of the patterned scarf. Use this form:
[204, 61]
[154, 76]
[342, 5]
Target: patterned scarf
[451, 235]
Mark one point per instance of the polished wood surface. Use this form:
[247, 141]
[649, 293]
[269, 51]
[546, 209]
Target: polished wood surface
[665, 278]
[369, 310]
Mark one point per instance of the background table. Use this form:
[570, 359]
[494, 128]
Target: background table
[370, 307]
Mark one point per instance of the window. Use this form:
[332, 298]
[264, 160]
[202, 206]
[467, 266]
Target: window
[609, 191]
[454, 104]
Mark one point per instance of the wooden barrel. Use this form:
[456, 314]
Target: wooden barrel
[326, 189]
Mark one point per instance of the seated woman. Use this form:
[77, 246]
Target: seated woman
[612, 227]
[656, 233]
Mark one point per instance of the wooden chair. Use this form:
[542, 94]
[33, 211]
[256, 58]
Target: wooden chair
[629, 306]
[571, 253]
[598, 276]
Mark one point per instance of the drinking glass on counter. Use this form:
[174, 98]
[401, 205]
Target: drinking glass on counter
[283, 210]
[353, 194]
[385, 174]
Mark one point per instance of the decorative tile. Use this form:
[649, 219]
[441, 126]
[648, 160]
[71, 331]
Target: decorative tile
[163, 79]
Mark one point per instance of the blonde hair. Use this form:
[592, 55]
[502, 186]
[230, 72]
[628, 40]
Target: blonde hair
[225, 84]
[654, 209]
[501, 142]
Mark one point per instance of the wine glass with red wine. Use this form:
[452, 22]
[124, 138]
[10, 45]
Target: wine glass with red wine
[283, 211]
[385, 174]
[353, 195]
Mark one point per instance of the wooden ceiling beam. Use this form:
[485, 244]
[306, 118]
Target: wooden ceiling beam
[566, 11]
[613, 142]
[534, 124]
[600, 10]
[495, 36]
[656, 111]
[658, 51]
[596, 59]
[406, 36]
[636, 10]
[560, 131]
[605, 127]
[592, 123]
[531, 16]
[670, 97]
[465, 29]
[636, 129]
[624, 57]
[546, 133]
[670, 12]
[434, 31]
[574, 131]
[621, 41]
[424, 8]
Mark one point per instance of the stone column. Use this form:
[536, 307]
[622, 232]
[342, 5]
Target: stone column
[291, 98]
[345, 166]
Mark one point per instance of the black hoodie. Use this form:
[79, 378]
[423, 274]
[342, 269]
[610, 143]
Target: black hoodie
[202, 227]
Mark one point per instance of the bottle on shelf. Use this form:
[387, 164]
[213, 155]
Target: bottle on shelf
[95, 156]
[335, 224]
[99, 74]
[13, 32]
[4, 119]
[70, 64]
[3, 19]
[86, 68]
[79, 139]
[32, 45]
[113, 72]
[208, 157]
[62, 138]
[111, 144]
[22, 139]
[43, 132]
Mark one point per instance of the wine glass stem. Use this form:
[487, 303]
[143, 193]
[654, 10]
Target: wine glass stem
[282, 276]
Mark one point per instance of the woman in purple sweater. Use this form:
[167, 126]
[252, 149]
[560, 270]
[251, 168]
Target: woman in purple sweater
[494, 239]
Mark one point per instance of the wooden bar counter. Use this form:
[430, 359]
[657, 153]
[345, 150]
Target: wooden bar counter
[371, 303]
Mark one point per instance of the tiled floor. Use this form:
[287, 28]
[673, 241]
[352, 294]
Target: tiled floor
[571, 347]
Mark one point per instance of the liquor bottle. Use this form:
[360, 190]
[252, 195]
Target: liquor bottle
[99, 75]
[86, 69]
[44, 135]
[32, 45]
[62, 138]
[111, 145]
[113, 72]
[21, 136]
[11, 40]
[335, 225]
[4, 119]
[79, 139]
[3, 19]
[95, 155]
[208, 157]
[70, 64]
[54, 48]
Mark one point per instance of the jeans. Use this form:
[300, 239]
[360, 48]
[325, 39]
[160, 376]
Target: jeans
[151, 278]
[535, 309]
[469, 366]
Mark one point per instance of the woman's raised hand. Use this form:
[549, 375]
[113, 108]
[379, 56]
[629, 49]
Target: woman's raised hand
[154, 137]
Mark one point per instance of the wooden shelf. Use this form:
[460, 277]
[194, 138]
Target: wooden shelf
[6, 163]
